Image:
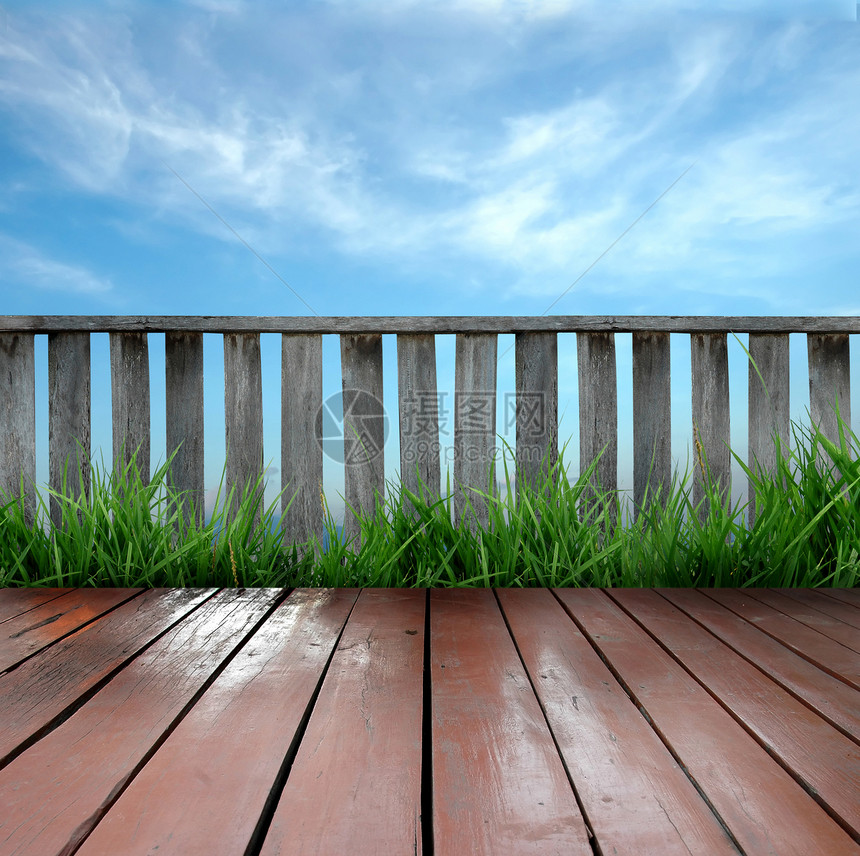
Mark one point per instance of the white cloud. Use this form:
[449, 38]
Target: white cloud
[24, 266]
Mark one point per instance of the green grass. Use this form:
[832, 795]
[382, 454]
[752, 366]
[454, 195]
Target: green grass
[806, 533]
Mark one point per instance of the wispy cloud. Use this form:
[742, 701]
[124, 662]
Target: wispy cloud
[24, 266]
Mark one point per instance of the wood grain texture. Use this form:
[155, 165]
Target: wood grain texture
[301, 436]
[431, 324]
[636, 797]
[183, 367]
[355, 786]
[129, 380]
[69, 419]
[243, 416]
[652, 417]
[364, 427]
[498, 783]
[24, 635]
[598, 407]
[419, 413]
[55, 793]
[204, 790]
[828, 696]
[36, 694]
[17, 601]
[711, 424]
[829, 382]
[536, 376]
[762, 806]
[18, 419]
[474, 426]
[828, 605]
[824, 761]
[768, 393]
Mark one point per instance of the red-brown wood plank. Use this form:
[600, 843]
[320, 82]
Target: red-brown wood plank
[355, 785]
[846, 595]
[15, 601]
[822, 759]
[49, 683]
[827, 654]
[204, 790]
[827, 625]
[635, 796]
[765, 809]
[828, 605]
[23, 636]
[828, 696]
[57, 790]
[499, 786]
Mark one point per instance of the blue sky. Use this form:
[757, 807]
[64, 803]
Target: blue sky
[417, 158]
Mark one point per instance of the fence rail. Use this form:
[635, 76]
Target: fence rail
[362, 374]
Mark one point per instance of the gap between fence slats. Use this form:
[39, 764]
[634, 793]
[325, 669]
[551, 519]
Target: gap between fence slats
[18, 417]
[652, 416]
[301, 435]
[184, 415]
[363, 427]
[243, 413]
[474, 425]
[536, 404]
[710, 381]
[768, 404]
[418, 412]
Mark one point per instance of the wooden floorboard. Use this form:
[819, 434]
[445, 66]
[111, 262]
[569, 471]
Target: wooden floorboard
[389, 721]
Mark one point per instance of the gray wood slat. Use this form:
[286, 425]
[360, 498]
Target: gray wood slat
[769, 415]
[710, 380]
[184, 414]
[129, 374]
[69, 419]
[243, 414]
[430, 324]
[652, 417]
[363, 427]
[301, 437]
[536, 405]
[829, 381]
[474, 424]
[418, 412]
[598, 407]
[18, 418]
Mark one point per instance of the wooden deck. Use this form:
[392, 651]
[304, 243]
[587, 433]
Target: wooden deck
[575, 721]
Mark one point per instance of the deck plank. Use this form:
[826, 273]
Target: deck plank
[765, 809]
[828, 605]
[827, 625]
[499, 786]
[824, 761]
[355, 785]
[23, 636]
[635, 796]
[828, 696]
[204, 791]
[846, 595]
[17, 601]
[49, 684]
[54, 793]
[827, 654]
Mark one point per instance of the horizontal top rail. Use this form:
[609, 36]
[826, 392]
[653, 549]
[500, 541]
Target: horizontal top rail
[427, 324]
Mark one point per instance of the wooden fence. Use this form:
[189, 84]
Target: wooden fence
[361, 360]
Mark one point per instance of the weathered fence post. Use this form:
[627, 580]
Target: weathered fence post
[68, 416]
[129, 375]
[536, 405]
[18, 418]
[769, 419]
[301, 437]
[829, 381]
[710, 382]
[474, 425]
[363, 427]
[183, 366]
[243, 417]
[652, 418]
